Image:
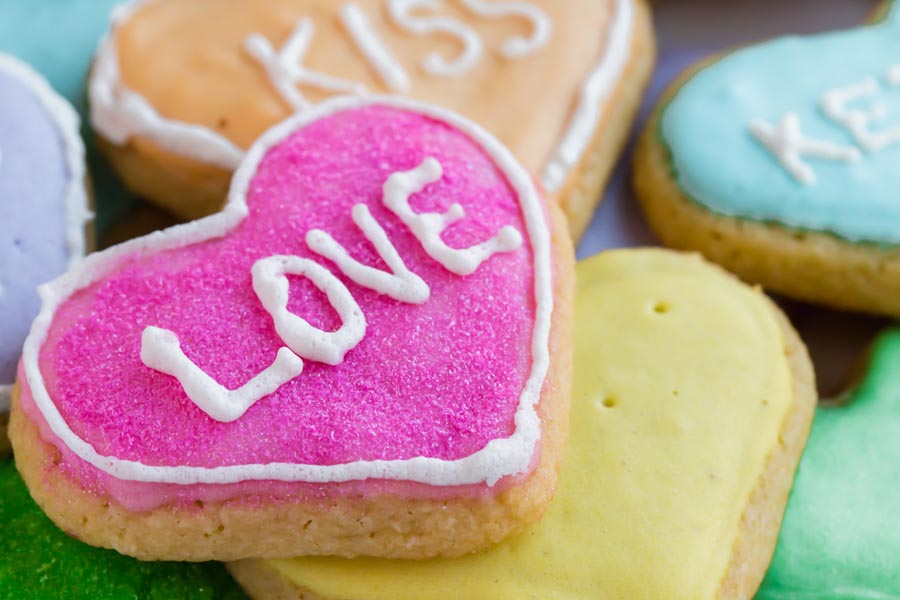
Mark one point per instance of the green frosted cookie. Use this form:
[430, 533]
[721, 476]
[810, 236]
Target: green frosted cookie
[840, 538]
[39, 561]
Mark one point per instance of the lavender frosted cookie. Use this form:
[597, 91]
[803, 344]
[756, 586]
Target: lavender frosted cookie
[43, 205]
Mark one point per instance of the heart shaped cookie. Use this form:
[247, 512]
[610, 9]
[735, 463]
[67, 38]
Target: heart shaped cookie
[180, 90]
[778, 161]
[693, 398]
[354, 357]
[849, 468]
[43, 204]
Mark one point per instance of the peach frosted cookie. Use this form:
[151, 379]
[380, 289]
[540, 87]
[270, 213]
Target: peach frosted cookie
[180, 90]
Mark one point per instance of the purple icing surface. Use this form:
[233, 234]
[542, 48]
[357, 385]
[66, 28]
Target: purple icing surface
[33, 177]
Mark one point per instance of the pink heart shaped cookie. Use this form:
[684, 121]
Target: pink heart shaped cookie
[354, 357]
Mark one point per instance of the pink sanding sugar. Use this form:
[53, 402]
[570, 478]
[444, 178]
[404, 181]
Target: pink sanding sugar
[440, 379]
[138, 496]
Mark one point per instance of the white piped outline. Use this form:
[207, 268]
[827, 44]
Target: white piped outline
[498, 459]
[119, 113]
[75, 199]
[434, 63]
[595, 95]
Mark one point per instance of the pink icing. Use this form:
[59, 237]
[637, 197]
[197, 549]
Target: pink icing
[139, 496]
[440, 379]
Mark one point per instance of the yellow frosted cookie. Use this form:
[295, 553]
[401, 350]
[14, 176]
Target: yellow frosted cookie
[693, 399]
[180, 89]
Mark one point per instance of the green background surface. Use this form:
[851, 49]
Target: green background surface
[39, 561]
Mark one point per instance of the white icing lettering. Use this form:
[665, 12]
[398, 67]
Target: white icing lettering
[427, 227]
[788, 144]
[160, 350]
[285, 67]
[370, 44]
[517, 47]
[271, 286]
[401, 284]
[434, 63]
[835, 103]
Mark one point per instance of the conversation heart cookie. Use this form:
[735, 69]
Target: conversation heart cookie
[181, 89]
[778, 161]
[692, 400]
[40, 561]
[366, 352]
[841, 532]
[43, 205]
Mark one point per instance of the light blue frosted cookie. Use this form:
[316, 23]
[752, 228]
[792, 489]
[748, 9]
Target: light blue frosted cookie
[780, 161]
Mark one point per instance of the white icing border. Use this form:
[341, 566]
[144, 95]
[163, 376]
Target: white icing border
[119, 113]
[498, 459]
[78, 213]
[75, 200]
[595, 94]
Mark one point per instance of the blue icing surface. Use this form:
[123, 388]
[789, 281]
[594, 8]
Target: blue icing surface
[56, 37]
[33, 217]
[722, 166]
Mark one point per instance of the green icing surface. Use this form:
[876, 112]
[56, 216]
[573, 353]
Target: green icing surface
[39, 561]
[841, 534]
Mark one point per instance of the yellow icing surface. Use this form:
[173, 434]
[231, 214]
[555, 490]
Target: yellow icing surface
[681, 389]
[188, 60]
